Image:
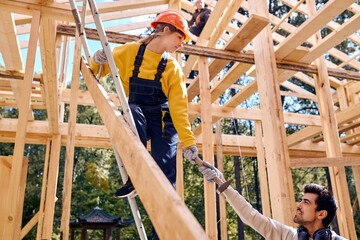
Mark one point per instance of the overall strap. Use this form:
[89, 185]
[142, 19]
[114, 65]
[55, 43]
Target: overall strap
[138, 60]
[161, 66]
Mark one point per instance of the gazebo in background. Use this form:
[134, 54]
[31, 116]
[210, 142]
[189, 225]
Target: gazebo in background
[98, 219]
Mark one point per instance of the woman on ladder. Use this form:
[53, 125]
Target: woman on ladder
[155, 85]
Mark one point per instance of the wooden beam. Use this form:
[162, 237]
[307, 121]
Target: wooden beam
[253, 114]
[47, 9]
[327, 13]
[222, 22]
[26, 229]
[43, 191]
[168, 213]
[241, 38]
[12, 201]
[70, 143]
[180, 170]
[105, 7]
[208, 152]
[331, 139]
[19, 215]
[263, 174]
[342, 117]
[214, 53]
[51, 198]
[6, 164]
[276, 150]
[48, 53]
[325, 162]
[334, 38]
[9, 45]
[220, 166]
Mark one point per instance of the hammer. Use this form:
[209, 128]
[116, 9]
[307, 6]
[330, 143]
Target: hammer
[222, 184]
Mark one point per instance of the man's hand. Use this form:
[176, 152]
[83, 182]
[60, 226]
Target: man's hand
[100, 57]
[197, 19]
[191, 153]
[210, 172]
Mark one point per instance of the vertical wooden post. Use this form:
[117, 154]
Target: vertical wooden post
[277, 155]
[180, 171]
[12, 201]
[43, 190]
[354, 99]
[332, 141]
[50, 198]
[5, 173]
[20, 206]
[69, 158]
[207, 146]
[263, 176]
[220, 166]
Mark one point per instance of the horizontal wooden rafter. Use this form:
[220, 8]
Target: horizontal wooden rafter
[214, 53]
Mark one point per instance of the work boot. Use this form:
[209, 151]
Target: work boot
[127, 190]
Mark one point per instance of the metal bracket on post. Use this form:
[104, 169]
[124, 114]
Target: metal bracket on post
[119, 89]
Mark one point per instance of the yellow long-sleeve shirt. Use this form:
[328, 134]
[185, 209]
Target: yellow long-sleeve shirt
[172, 82]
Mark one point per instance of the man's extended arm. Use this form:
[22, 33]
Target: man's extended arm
[267, 227]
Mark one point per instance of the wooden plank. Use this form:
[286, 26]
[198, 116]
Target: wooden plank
[47, 9]
[168, 214]
[327, 13]
[214, 53]
[332, 143]
[325, 162]
[50, 198]
[26, 229]
[344, 103]
[180, 170]
[70, 143]
[43, 191]
[12, 201]
[220, 166]
[243, 36]
[252, 114]
[19, 215]
[227, 15]
[230, 78]
[342, 117]
[277, 155]
[9, 45]
[47, 49]
[129, 27]
[263, 176]
[10, 52]
[5, 173]
[128, 13]
[105, 7]
[334, 37]
[208, 152]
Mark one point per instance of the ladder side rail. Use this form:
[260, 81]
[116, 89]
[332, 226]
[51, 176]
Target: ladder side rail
[113, 69]
[123, 173]
[131, 200]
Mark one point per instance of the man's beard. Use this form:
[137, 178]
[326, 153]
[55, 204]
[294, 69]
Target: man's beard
[301, 222]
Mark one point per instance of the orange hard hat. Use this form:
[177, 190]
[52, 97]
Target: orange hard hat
[175, 19]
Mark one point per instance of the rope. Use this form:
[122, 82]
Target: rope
[241, 158]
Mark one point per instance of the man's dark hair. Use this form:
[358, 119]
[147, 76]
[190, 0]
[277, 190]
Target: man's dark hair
[324, 201]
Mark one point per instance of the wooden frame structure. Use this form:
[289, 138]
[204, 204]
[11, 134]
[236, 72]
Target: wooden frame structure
[330, 139]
